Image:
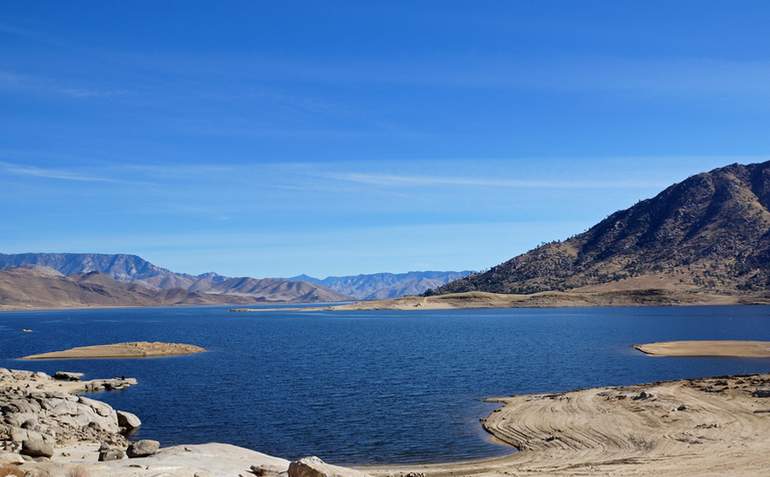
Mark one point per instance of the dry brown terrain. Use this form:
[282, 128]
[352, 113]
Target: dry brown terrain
[605, 295]
[702, 427]
[710, 232]
[726, 348]
[139, 349]
[45, 288]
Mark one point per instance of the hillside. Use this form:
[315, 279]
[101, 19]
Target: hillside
[379, 286]
[47, 288]
[709, 232]
[135, 271]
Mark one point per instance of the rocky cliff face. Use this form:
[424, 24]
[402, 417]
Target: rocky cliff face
[710, 231]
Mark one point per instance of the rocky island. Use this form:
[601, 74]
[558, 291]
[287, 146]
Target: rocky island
[136, 349]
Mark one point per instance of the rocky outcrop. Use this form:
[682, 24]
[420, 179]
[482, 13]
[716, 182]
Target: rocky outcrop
[37, 414]
[128, 422]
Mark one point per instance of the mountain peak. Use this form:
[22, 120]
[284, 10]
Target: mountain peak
[711, 230]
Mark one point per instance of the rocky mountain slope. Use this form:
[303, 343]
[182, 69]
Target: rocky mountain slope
[46, 288]
[379, 286]
[131, 280]
[710, 232]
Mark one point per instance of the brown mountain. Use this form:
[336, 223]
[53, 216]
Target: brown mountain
[134, 270]
[709, 232]
[42, 287]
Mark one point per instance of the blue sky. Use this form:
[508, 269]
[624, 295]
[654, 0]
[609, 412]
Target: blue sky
[278, 138]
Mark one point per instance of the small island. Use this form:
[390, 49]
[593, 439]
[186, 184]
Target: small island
[708, 348]
[137, 349]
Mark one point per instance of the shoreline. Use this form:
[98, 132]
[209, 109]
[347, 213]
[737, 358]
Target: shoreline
[552, 299]
[688, 427]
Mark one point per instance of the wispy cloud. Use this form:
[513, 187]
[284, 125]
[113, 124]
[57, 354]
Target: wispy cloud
[18, 82]
[392, 180]
[60, 174]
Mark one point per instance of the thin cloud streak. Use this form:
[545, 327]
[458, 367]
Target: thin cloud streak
[60, 174]
[391, 180]
[18, 82]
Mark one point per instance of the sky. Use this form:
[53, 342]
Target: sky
[334, 138]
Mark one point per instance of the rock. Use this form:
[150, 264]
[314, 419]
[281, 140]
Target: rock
[101, 408]
[10, 458]
[681, 407]
[107, 454]
[128, 421]
[315, 467]
[143, 448]
[67, 376]
[642, 396]
[35, 445]
[761, 393]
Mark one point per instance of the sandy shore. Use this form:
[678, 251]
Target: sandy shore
[578, 297]
[138, 349]
[700, 427]
[704, 427]
[724, 348]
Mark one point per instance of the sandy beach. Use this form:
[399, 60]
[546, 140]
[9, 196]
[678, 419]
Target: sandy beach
[138, 349]
[724, 348]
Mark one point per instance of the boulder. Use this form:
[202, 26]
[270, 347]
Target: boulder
[107, 454]
[315, 467]
[143, 448]
[128, 421]
[36, 445]
[67, 376]
[101, 408]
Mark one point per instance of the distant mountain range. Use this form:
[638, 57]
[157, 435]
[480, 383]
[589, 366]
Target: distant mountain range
[710, 232]
[86, 279]
[379, 286]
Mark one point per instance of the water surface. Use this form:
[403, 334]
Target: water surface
[369, 387]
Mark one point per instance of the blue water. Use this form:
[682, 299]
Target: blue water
[367, 387]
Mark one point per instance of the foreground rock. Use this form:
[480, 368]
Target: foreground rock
[38, 412]
[315, 467]
[128, 422]
[138, 349]
[143, 448]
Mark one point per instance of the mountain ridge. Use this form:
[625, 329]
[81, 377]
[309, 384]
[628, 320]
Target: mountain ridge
[710, 231]
[383, 285]
[132, 269]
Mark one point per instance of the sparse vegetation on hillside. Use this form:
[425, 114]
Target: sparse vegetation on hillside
[711, 231]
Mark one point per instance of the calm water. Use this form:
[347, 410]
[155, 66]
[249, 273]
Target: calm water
[366, 387]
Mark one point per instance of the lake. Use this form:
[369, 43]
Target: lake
[369, 387]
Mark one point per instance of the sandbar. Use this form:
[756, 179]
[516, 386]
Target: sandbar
[706, 348]
[137, 349]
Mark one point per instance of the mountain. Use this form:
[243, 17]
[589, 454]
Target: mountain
[42, 287]
[709, 232]
[135, 271]
[379, 286]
